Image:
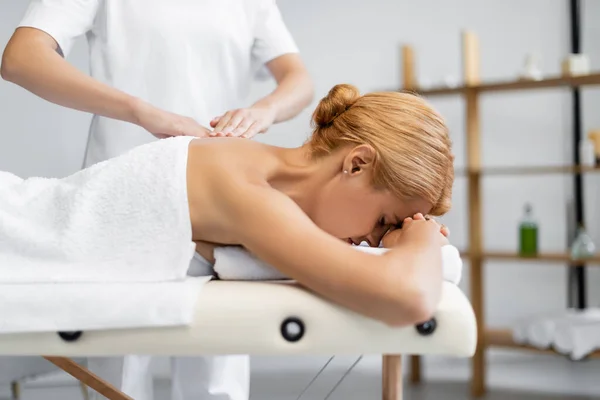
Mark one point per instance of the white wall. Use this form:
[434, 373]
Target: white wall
[358, 42]
[36, 137]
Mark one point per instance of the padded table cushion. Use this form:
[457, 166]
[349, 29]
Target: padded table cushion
[247, 318]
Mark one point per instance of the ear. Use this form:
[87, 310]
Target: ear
[359, 159]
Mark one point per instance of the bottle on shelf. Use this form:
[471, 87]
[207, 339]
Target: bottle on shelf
[528, 233]
[530, 70]
[587, 152]
[594, 137]
[583, 246]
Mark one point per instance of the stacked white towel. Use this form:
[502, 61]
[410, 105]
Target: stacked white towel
[235, 263]
[539, 330]
[106, 247]
[575, 333]
[579, 335]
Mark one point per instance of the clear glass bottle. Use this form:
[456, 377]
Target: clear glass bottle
[583, 247]
[530, 69]
[528, 233]
[587, 155]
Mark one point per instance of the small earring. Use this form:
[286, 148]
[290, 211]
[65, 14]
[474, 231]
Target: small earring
[345, 171]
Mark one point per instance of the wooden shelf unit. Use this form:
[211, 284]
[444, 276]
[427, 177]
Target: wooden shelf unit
[474, 172]
[560, 81]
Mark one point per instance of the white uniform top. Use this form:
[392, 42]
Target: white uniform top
[192, 57]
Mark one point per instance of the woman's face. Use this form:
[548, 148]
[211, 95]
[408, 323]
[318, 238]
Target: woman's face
[351, 209]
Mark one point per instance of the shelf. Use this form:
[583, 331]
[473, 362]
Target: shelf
[553, 257]
[559, 81]
[534, 170]
[471, 91]
[503, 338]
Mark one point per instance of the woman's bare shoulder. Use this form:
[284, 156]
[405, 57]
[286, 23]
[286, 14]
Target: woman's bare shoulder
[218, 151]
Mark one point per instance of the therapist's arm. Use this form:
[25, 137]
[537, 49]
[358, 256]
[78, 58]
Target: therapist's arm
[294, 90]
[32, 61]
[293, 93]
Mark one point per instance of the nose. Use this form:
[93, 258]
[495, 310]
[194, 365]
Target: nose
[375, 238]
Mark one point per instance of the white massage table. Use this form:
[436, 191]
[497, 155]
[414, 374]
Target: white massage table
[260, 318]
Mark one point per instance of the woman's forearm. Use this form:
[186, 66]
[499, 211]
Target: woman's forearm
[31, 61]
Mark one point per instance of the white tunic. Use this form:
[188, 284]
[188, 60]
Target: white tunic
[192, 57]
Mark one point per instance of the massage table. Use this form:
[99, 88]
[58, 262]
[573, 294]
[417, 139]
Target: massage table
[264, 318]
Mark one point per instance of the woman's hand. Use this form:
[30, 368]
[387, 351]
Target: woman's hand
[164, 124]
[243, 122]
[417, 228]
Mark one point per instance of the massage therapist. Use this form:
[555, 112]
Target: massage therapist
[162, 68]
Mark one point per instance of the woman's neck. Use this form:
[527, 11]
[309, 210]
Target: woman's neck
[303, 177]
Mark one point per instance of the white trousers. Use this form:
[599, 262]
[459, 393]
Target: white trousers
[193, 378]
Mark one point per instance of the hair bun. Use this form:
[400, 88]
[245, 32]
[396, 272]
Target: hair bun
[339, 99]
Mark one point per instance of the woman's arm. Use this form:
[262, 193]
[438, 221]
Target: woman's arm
[31, 60]
[401, 287]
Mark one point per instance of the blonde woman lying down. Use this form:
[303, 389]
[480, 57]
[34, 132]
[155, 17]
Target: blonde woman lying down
[373, 163]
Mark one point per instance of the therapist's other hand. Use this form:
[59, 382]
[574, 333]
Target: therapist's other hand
[243, 122]
[164, 124]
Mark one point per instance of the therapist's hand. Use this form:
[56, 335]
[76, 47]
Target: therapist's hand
[164, 124]
[243, 122]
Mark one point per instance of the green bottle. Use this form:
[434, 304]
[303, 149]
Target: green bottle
[528, 233]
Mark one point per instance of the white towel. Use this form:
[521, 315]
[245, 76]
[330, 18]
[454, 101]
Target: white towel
[538, 330]
[519, 333]
[106, 247]
[578, 335]
[559, 330]
[235, 263]
[122, 220]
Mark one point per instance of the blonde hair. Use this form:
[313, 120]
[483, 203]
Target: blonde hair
[414, 158]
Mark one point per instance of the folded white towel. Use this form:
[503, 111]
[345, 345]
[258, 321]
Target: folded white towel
[519, 333]
[125, 220]
[570, 332]
[578, 335]
[235, 263]
[538, 330]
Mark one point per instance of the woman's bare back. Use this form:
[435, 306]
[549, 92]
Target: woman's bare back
[213, 165]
